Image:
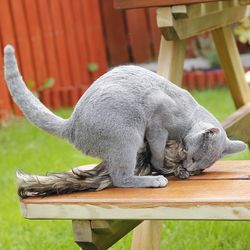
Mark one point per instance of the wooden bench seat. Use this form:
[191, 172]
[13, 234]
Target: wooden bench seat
[101, 218]
[222, 192]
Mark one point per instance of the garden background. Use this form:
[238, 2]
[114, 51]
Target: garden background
[62, 47]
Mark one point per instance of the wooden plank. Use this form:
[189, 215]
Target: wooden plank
[171, 59]
[147, 236]
[80, 33]
[49, 50]
[237, 124]
[155, 34]
[5, 102]
[221, 170]
[185, 199]
[179, 11]
[101, 234]
[23, 46]
[244, 2]
[190, 199]
[138, 35]
[8, 35]
[37, 47]
[178, 193]
[72, 49]
[131, 4]
[184, 28]
[115, 34]
[94, 36]
[230, 60]
[235, 169]
[61, 49]
[23, 42]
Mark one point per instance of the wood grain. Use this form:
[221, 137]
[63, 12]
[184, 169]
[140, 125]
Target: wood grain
[61, 50]
[91, 235]
[147, 236]
[5, 103]
[174, 29]
[131, 4]
[230, 61]
[115, 34]
[237, 124]
[50, 51]
[186, 194]
[7, 32]
[139, 35]
[37, 47]
[171, 60]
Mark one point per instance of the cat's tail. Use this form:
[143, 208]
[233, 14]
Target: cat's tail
[76, 180]
[33, 109]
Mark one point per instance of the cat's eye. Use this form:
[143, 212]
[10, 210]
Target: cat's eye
[193, 160]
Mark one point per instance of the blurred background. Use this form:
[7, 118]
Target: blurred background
[63, 46]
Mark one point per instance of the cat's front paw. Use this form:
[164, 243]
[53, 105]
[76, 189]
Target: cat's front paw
[159, 181]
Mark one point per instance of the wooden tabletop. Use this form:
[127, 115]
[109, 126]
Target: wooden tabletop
[131, 4]
[222, 192]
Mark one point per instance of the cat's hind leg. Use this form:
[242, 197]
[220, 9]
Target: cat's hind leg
[122, 168]
[157, 136]
[156, 132]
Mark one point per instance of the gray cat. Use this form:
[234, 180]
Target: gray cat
[119, 111]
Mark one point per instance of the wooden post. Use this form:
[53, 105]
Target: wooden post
[230, 61]
[101, 234]
[171, 59]
[147, 236]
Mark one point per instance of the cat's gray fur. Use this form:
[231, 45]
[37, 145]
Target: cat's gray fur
[121, 109]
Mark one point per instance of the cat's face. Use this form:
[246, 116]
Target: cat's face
[207, 146]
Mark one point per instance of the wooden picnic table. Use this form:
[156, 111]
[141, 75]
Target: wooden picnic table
[100, 219]
[177, 21]
[221, 193]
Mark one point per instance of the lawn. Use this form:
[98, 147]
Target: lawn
[24, 146]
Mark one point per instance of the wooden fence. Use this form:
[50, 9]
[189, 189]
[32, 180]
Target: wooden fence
[58, 39]
[74, 42]
[131, 36]
[63, 38]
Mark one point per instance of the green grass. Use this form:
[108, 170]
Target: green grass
[26, 147]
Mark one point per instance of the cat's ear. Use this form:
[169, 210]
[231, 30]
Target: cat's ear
[234, 147]
[212, 131]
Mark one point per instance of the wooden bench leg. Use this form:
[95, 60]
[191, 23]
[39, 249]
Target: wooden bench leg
[237, 124]
[171, 59]
[230, 61]
[101, 234]
[147, 236]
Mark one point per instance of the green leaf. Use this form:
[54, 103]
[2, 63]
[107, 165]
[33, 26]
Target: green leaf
[49, 83]
[93, 67]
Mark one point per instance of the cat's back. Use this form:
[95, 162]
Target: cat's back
[124, 85]
[125, 88]
[130, 77]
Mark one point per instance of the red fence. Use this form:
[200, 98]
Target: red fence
[53, 39]
[131, 36]
[62, 39]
